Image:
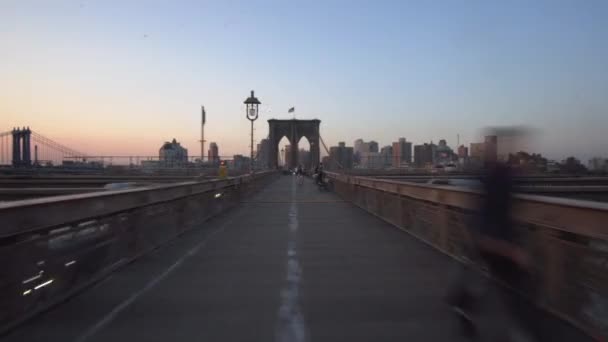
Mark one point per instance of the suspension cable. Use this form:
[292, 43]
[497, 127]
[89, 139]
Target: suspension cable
[329, 154]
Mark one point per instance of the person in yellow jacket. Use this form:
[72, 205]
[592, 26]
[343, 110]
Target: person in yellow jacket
[223, 170]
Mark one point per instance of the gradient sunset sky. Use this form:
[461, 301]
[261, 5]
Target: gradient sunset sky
[121, 77]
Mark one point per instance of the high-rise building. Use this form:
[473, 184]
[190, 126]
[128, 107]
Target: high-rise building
[484, 152]
[491, 148]
[287, 156]
[598, 164]
[463, 152]
[508, 143]
[240, 163]
[373, 147]
[477, 151]
[371, 160]
[402, 153]
[396, 154]
[340, 156]
[387, 155]
[424, 154]
[360, 147]
[304, 158]
[443, 154]
[172, 154]
[263, 154]
[213, 155]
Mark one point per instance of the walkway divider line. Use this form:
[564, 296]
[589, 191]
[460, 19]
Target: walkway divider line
[324, 201]
[110, 316]
[290, 324]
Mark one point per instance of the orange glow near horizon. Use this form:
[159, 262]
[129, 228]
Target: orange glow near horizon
[121, 79]
[95, 125]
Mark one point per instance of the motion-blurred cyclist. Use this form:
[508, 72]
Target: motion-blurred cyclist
[319, 174]
[499, 247]
[300, 174]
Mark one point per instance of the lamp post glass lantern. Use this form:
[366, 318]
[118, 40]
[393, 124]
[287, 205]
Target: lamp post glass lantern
[252, 111]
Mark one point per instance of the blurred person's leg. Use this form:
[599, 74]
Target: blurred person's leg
[462, 300]
[521, 310]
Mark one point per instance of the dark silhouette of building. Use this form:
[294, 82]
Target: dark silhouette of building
[358, 148]
[213, 155]
[477, 151]
[371, 160]
[463, 152]
[423, 154]
[362, 147]
[173, 154]
[490, 149]
[598, 164]
[304, 158]
[373, 147]
[288, 156]
[340, 157]
[484, 152]
[387, 155]
[443, 154]
[263, 154]
[240, 163]
[402, 153]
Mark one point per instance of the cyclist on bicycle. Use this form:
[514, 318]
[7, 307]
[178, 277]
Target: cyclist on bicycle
[498, 245]
[319, 172]
[300, 174]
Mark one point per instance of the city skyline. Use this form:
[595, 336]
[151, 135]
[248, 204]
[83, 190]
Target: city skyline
[424, 75]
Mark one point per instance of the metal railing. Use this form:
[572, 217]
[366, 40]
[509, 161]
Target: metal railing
[567, 238]
[52, 248]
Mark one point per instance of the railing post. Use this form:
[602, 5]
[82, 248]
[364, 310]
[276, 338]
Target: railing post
[400, 221]
[552, 273]
[443, 226]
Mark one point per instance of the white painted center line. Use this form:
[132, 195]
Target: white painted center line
[291, 326]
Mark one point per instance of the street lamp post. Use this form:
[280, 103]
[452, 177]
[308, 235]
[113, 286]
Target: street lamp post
[251, 110]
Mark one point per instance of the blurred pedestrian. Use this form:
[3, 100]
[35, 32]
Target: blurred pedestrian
[501, 249]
